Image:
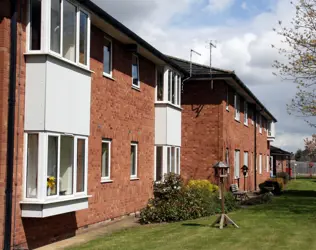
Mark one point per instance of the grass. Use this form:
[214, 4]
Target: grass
[289, 222]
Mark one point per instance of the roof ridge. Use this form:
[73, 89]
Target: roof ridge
[201, 65]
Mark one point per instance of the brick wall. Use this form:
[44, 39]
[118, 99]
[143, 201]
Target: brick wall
[208, 129]
[118, 112]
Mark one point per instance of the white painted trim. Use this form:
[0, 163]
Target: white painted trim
[106, 178]
[155, 163]
[136, 160]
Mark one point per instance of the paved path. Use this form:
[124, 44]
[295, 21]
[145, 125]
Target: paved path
[90, 234]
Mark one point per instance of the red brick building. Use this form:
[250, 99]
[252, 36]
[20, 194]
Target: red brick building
[91, 115]
[222, 120]
[87, 119]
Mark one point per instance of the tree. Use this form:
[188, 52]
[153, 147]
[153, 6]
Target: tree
[299, 53]
[310, 147]
[298, 155]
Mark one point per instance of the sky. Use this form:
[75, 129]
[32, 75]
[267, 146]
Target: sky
[243, 33]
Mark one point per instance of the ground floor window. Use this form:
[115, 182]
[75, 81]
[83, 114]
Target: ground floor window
[134, 147]
[56, 164]
[260, 164]
[106, 160]
[167, 161]
[237, 164]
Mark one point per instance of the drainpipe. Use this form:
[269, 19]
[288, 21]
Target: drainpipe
[255, 147]
[11, 125]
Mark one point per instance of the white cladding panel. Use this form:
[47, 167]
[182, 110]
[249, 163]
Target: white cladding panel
[167, 125]
[35, 93]
[68, 94]
[160, 125]
[173, 126]
[57, 96]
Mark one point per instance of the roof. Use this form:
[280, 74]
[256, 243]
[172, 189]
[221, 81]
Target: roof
[122, 28]
[203, 71]
[197, 69]
[278, 151]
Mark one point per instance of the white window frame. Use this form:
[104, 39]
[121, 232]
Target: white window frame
[268, 163]
[111, 58]
[246, 160]
[162, 71]
[106, 178]
[237, 107]
[252, 116]
[260, 163]
[42, 171]
[177, 167]
[260, 123]
[237, 164]
[138, 65]
[227, 98]
[245, 113]
[135, 144]
[46, 32]
[167, 97]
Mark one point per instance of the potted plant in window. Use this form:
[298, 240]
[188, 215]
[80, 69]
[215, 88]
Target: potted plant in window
[51, 183]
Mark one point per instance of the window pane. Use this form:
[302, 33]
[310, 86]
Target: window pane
[179, 90]
[105, 159]
[81, 151]
[55, 26]
[133, 160]
[237, 163]
[83, 35]
[173, 88]
[107, 67]
[168, 159]
[173, 167]
[66, 165]
[35, 24]
[135, 71]
[159, 166]
[52, 158]
[178, 161]
[32, 165]
[159, 85]
[69, 31]
[169, 85]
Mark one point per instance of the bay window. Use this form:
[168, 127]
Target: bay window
[65, 161]
[159, 163]
[173, 160]
[167, 161]
[68, 28]
[168, 86]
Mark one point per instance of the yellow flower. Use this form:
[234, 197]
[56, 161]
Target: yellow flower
[51, 181]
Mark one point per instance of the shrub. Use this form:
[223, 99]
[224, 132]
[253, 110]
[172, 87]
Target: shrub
[203, 184]
[262, 199]
[174, 202]
[284, 175]
[276, 183]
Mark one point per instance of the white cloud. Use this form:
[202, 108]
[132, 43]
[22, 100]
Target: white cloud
[243, 46]
[219, 6]
[244, 6]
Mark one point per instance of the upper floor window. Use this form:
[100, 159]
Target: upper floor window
[135, 71]
[160, 77]
[168, 86]
[35, 24]
[227, 98]
[237, 107]
[260, 123]
[107, 58]
[69, 29]
[245, 113]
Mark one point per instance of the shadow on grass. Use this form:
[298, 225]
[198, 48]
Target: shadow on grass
[195, 225]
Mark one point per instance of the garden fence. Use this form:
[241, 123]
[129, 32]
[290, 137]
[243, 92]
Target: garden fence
[301, 168]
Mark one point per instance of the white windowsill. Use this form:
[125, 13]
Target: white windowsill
[108, 76]
[134, 178]
[246, 124]
[237, 120]
[56, 200]
[106, 181]
[136, 87]
[59, 58]
[163, 103]
[227, 109]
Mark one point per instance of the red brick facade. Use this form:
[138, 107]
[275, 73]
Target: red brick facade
[208, 129]
[118, 112]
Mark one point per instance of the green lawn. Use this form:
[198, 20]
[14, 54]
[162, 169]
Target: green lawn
[289, 222]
